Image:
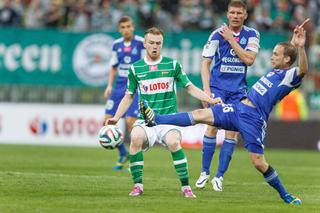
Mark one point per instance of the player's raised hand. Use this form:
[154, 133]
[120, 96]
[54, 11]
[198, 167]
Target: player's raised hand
[299, 34]
[217, 100]
[226, 33]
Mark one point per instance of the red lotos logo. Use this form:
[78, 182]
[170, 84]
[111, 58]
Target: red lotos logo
[159, 86]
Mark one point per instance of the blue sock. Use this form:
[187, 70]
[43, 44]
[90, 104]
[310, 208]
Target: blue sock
[273, 180]
[122, 150]
[225, 156]
[177, 119]
[208, 148]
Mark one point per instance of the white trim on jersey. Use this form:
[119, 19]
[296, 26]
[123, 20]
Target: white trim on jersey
[114, 59]
[174, 64]
[138, 38]
[253, 44]
[118, 40]
[287, 80]
[209, 50]
[152, 62]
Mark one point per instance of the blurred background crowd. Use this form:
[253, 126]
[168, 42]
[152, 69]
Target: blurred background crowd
[103, 15]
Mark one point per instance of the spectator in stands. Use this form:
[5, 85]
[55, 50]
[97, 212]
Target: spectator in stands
[8, 16]
[82, 17]
[33, 15]
[293, 107]
[53, 15]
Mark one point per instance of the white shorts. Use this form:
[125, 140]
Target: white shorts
[155, 134]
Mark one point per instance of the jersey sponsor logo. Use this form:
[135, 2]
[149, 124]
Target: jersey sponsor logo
[123, 73]
[127, 59]
[91, 57]
[232, 52]
[243, 40]
[232, 69]
[134, 51]
[270, 74]
[231, 60]
[127, 49]
[259, 88]
[266, 81]
[158, 85]
[153, 67]
[164, 72]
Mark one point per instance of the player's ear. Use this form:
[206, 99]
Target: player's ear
[287, 59]
[245, 14]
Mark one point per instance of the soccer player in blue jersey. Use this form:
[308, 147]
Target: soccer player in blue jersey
[125, 51]
[250, 115]
[232, 48]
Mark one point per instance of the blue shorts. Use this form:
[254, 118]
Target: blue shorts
[114, 101]
[227, 96]
[244, 119]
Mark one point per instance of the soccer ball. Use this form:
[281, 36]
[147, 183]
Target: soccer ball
[110, 136]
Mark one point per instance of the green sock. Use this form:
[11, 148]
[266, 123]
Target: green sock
[181, 165]
[136, 167]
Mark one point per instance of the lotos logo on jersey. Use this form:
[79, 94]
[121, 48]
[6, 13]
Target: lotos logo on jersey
[158, 85]
[38, 126]
[91, 57]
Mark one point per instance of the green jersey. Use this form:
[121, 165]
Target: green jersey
[156, 83]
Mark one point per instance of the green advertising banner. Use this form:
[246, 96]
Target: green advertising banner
[57, 58]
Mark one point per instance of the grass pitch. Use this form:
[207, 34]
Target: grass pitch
[75, 179]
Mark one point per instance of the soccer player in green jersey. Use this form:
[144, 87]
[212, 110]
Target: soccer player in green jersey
[155, 77]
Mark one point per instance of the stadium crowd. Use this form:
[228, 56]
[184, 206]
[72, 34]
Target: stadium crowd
[97, 15]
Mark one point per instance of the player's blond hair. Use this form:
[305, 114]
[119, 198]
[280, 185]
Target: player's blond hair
[153, 31]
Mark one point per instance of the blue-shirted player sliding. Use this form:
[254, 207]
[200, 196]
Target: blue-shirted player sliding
[249, 116]
[125, 51]
[231, 48]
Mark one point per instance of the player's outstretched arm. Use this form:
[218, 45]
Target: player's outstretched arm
[123, 107]
[200, 95]
[298, 40]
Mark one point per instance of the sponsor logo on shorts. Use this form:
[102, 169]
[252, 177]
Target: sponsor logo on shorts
[109, 104]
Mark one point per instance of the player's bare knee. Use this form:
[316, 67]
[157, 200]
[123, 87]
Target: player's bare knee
[211, 131]
[232, 135]
[203, 116]
[173, 140]
[137, 138]
[259, 162]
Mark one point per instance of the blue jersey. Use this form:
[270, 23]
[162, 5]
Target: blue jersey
[229, 72]
[272, 87]
[123, 55]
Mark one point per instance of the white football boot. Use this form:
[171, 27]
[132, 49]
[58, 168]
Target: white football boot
[217, 184]
[202, 180]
